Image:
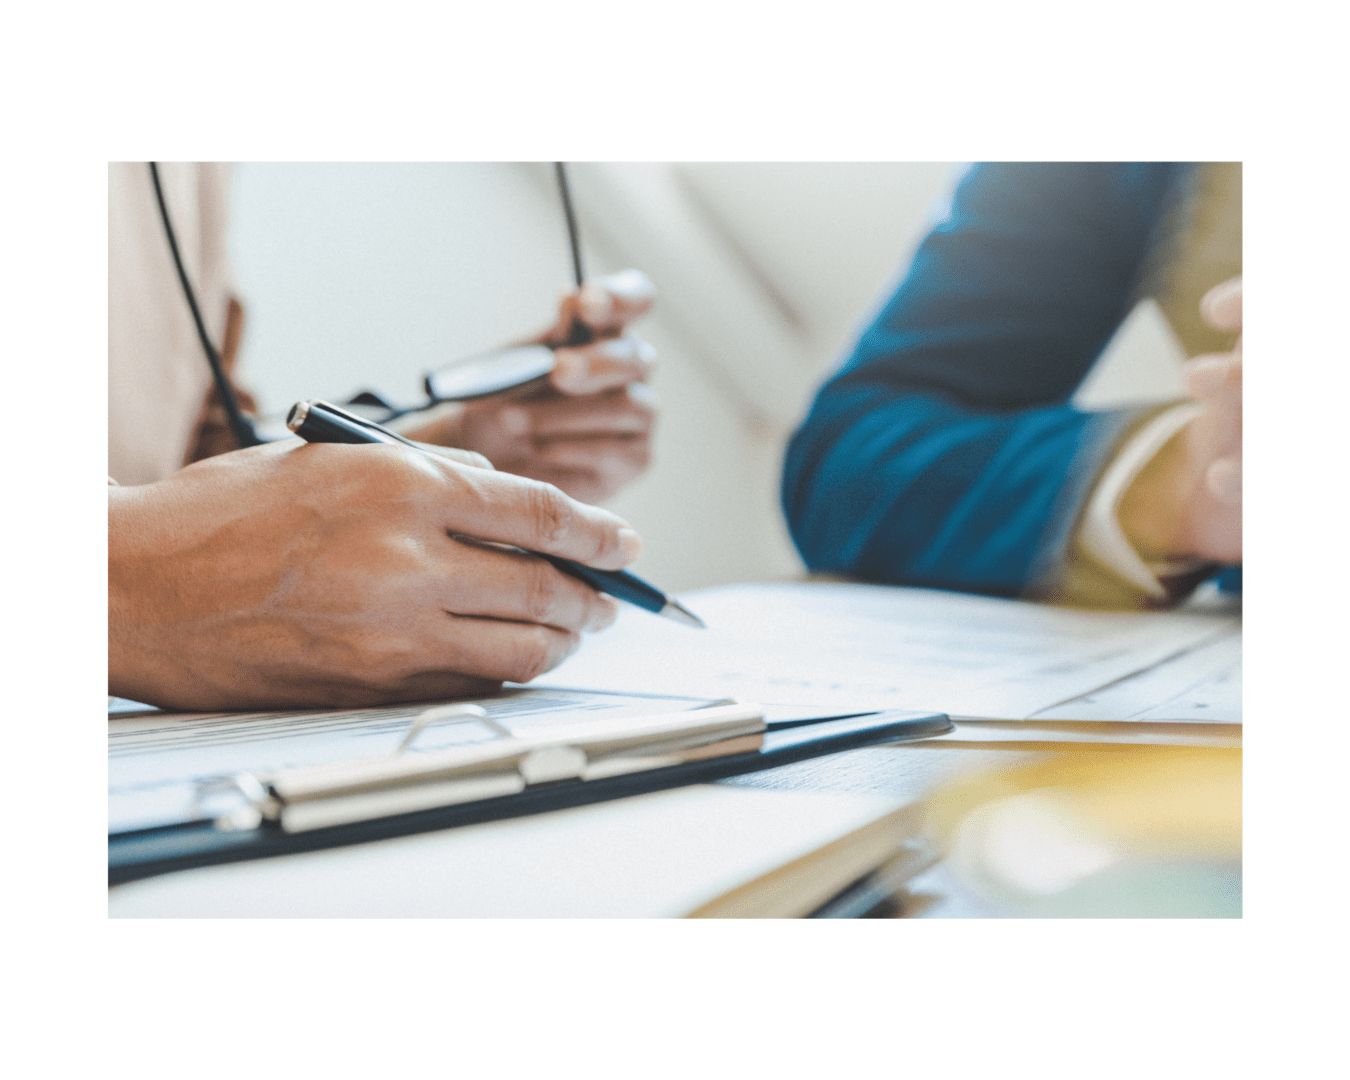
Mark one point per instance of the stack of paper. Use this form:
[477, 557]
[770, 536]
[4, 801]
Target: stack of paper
[703, 851]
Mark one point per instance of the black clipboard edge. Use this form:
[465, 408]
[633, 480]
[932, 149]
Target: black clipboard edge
[149, 852]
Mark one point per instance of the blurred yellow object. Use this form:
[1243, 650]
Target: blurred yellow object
[1137, 832]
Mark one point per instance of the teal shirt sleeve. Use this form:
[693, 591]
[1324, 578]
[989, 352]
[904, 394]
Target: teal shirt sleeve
[944, 452]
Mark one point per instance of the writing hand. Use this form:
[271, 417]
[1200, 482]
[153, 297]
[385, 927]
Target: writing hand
[292, 574]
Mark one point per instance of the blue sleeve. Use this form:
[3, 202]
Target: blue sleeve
[944, 452]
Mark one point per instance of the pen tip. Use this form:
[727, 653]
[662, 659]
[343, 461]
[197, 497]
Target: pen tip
[681, 614]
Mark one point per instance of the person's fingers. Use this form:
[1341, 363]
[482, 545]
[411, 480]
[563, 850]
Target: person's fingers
[1223, 478]
[490, 582]
[512, 422]
[593, 451]
[507, 509]
[1222, 305]
[1209, 377]
[491, 648]
[609, 463]
[606, 364]
[605, 305]
[611, 302]
[615, 412]
[585, 485]
[631, 288]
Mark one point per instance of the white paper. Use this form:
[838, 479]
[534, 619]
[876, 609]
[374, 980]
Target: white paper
[650, 856]
[159, 765]
[870, 646]
[1203, 686]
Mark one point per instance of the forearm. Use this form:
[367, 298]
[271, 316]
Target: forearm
[915, 489]
[133, 669]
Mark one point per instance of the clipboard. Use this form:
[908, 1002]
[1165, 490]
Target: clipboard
[502, 779]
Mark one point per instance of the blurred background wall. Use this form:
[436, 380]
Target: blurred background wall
[363, 276]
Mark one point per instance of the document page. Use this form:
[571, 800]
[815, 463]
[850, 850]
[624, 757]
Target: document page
[871, 647]
[160, 765]
[1202, 686]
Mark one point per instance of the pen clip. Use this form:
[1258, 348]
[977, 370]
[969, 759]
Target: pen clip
[369, 425]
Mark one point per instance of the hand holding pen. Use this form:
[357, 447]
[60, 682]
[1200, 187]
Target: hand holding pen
[308, 576]
[322, 422]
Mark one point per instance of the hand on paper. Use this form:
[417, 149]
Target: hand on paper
[588, 431]
[293, 574]
[1187, 503]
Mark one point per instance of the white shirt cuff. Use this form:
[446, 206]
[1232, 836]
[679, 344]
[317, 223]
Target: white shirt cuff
[1102, 536]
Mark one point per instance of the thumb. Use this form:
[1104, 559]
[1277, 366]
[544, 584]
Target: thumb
[1222, 305]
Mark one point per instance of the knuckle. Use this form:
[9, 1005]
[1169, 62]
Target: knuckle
[458, 456]
[534, 655]
[401, 472]
[551, 512]
[541, 591]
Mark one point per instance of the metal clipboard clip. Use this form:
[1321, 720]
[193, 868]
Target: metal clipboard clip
[361, 789]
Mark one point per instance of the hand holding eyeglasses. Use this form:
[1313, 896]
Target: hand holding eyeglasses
[587, 428]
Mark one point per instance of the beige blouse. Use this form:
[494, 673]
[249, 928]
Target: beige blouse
[158, 377]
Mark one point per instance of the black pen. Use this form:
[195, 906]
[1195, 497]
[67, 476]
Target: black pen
[322, 422]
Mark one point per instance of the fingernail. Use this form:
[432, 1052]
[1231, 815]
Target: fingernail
[619, 349]
[629, 284]
[643, 394]
[604, 616]
[1221, 292]
[630, 544]
[1222, 305]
